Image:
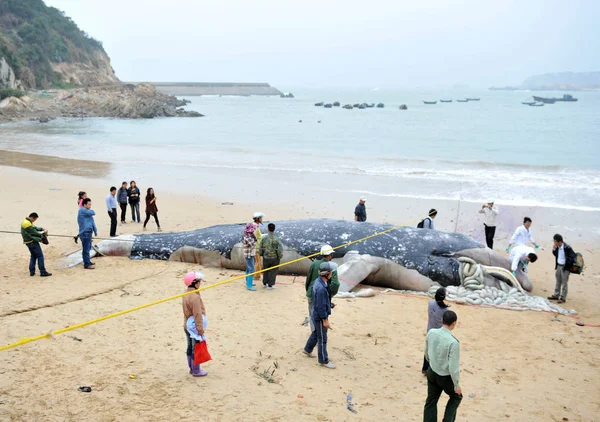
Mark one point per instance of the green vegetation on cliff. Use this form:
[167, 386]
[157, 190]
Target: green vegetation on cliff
[33, 36]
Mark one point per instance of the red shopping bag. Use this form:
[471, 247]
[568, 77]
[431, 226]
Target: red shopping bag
[201, 354]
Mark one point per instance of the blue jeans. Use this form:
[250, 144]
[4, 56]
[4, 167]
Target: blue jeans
[318, 338]
[86, 245]
[36, 255]
[249, 270]
[135, 209]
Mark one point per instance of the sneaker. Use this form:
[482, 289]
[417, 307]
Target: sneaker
[252, 289]
[46, 274]
[144, 228]
[561, 301]
[328, 365]
[310, 355]
[553, 297]
[31, 274]
[90, 267]
[273, 287]
[159, 229]
[265, 286]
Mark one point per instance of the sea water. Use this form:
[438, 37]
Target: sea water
[492, 149]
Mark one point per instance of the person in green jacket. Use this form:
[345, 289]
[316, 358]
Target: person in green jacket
[32, 236]
[313, 274]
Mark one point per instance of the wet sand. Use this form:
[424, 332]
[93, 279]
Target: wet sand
[515, 365]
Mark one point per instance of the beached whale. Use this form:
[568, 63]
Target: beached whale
[405, 258]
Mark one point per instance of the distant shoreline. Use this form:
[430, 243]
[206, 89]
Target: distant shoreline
[216, 88]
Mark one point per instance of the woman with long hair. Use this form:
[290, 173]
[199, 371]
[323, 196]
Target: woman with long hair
[151, 208]
[435, 311]
[80, 197]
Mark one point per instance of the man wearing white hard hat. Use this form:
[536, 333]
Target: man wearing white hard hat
[313, 274]
[193, 306]
[360, 212]
[491, 212]
[250, 239]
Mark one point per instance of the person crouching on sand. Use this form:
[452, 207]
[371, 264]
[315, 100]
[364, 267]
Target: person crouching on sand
[193, 306]
[435, 311]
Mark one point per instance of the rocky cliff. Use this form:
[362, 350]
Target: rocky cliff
[41, 47]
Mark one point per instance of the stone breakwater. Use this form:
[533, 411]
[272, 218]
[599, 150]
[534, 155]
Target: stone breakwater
[127, 101]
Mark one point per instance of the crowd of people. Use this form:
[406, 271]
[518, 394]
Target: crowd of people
[442, 350]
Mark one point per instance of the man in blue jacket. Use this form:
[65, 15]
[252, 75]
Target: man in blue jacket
[85, 219]
[320, 316]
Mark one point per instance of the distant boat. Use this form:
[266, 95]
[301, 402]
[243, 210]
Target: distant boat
[528, 102]
[565, 98]
[318, 104]
[336, 104]
[445, 101]
[536, 105]
[429, 102]
[328, 105]
[348, 107]
[472, 99]
[545, 100]
[462, 101]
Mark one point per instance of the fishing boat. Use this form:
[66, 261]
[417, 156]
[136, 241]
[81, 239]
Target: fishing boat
[536, 105]
[318, 104]
[445, 101]
[567, 98]
[462, 101]
[472, 99]
[528, 103]
[430, 102]
[544, 100]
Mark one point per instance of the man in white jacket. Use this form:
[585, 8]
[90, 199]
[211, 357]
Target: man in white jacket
[520, 256]
[522, 235]
[490, 212]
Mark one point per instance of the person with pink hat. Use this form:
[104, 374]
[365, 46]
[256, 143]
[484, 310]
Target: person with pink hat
[193, 306]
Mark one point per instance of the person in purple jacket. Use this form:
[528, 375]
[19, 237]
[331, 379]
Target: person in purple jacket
[435, 311]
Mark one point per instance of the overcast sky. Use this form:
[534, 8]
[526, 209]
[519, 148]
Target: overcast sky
[343, 43]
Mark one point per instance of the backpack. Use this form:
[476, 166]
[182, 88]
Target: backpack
[578, 265]
[421, 223]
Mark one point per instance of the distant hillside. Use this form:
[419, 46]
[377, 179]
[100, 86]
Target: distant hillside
[563, 81]
[41, 47]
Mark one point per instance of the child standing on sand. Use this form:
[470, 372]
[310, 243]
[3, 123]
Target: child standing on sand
[81, 196]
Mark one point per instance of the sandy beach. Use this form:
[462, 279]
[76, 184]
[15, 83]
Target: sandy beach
[515, 366]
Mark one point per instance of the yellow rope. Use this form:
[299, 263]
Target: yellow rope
[26, 340]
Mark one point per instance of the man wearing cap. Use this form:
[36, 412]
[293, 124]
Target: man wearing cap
[490, 212]
[360, 212]
[313, 274]
[250, 238]
[258, 219]
[320, 316]
[193, 306]
[428, 221]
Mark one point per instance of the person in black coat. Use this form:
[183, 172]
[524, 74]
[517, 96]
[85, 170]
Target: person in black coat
[564, 257]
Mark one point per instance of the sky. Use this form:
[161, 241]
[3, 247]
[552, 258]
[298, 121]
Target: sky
[343, 43]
